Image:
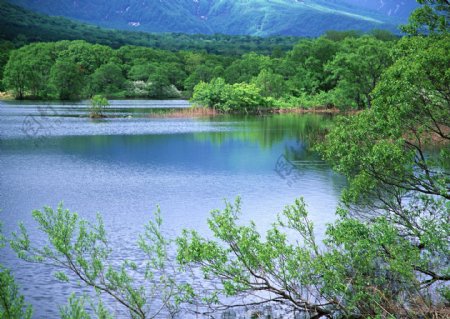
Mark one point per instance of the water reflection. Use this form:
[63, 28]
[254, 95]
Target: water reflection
[270, 129]
[124, 167]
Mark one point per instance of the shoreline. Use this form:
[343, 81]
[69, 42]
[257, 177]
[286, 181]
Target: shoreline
[198, 111]
[5, 96]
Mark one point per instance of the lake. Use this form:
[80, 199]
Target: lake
[127, 164]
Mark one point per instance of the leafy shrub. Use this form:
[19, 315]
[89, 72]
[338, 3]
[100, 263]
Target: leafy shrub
[226, 97]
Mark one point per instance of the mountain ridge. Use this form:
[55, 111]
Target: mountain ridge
[244, 17]
[21, 26]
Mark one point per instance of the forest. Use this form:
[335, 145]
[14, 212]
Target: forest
[21, 26]
[249, 17]
[338, 69]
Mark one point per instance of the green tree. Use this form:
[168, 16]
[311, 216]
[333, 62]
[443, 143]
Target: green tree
[386, 153]
[341, 35]
[210, 94]
[16, 74]
[28, 69]
[40, 58]
[384, 35]
[433, 17]
[80, 251]
[389, 247]
[67, 80]
[244, 69]
[88, 56]
[107, 79]
[304, 66]
[141, 71]
[243, 97]
[202, 73]
[5, 50]
[270, 84]
[226, 97]
[12, 304]
[175, 74]
[357, 68]
[362, 269]
[76, 309]
[192, 60]
[385, 146]
[159, 80]
[98, 105]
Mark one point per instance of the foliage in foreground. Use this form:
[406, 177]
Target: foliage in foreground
[388, 252]
[12, 304]
[362, 269]
[388, 150]
[80, 251]
[431, 18]
[386, 255]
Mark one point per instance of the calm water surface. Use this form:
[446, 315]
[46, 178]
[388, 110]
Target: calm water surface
[127, 164]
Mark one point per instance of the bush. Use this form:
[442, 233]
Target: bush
[226, 97]
[98, 105]
[363, 269]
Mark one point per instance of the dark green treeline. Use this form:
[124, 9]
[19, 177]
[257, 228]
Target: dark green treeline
[339, 69]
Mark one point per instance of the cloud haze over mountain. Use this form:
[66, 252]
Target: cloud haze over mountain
[252, 17]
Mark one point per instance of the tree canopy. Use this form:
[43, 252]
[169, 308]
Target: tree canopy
[388, 252]
[431, 18]
[316, 72]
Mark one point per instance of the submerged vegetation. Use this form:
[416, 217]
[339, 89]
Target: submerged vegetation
[386, 255]
[98, 105]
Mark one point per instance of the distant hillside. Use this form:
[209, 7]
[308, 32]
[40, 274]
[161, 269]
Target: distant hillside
[398, 10]
[252, 17]
[23, 26]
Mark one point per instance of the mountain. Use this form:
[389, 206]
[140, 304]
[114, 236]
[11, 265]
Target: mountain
[22, 26]
[391, 8]
[246, 17]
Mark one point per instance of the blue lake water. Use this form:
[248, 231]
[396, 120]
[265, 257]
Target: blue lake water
[127, 164]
